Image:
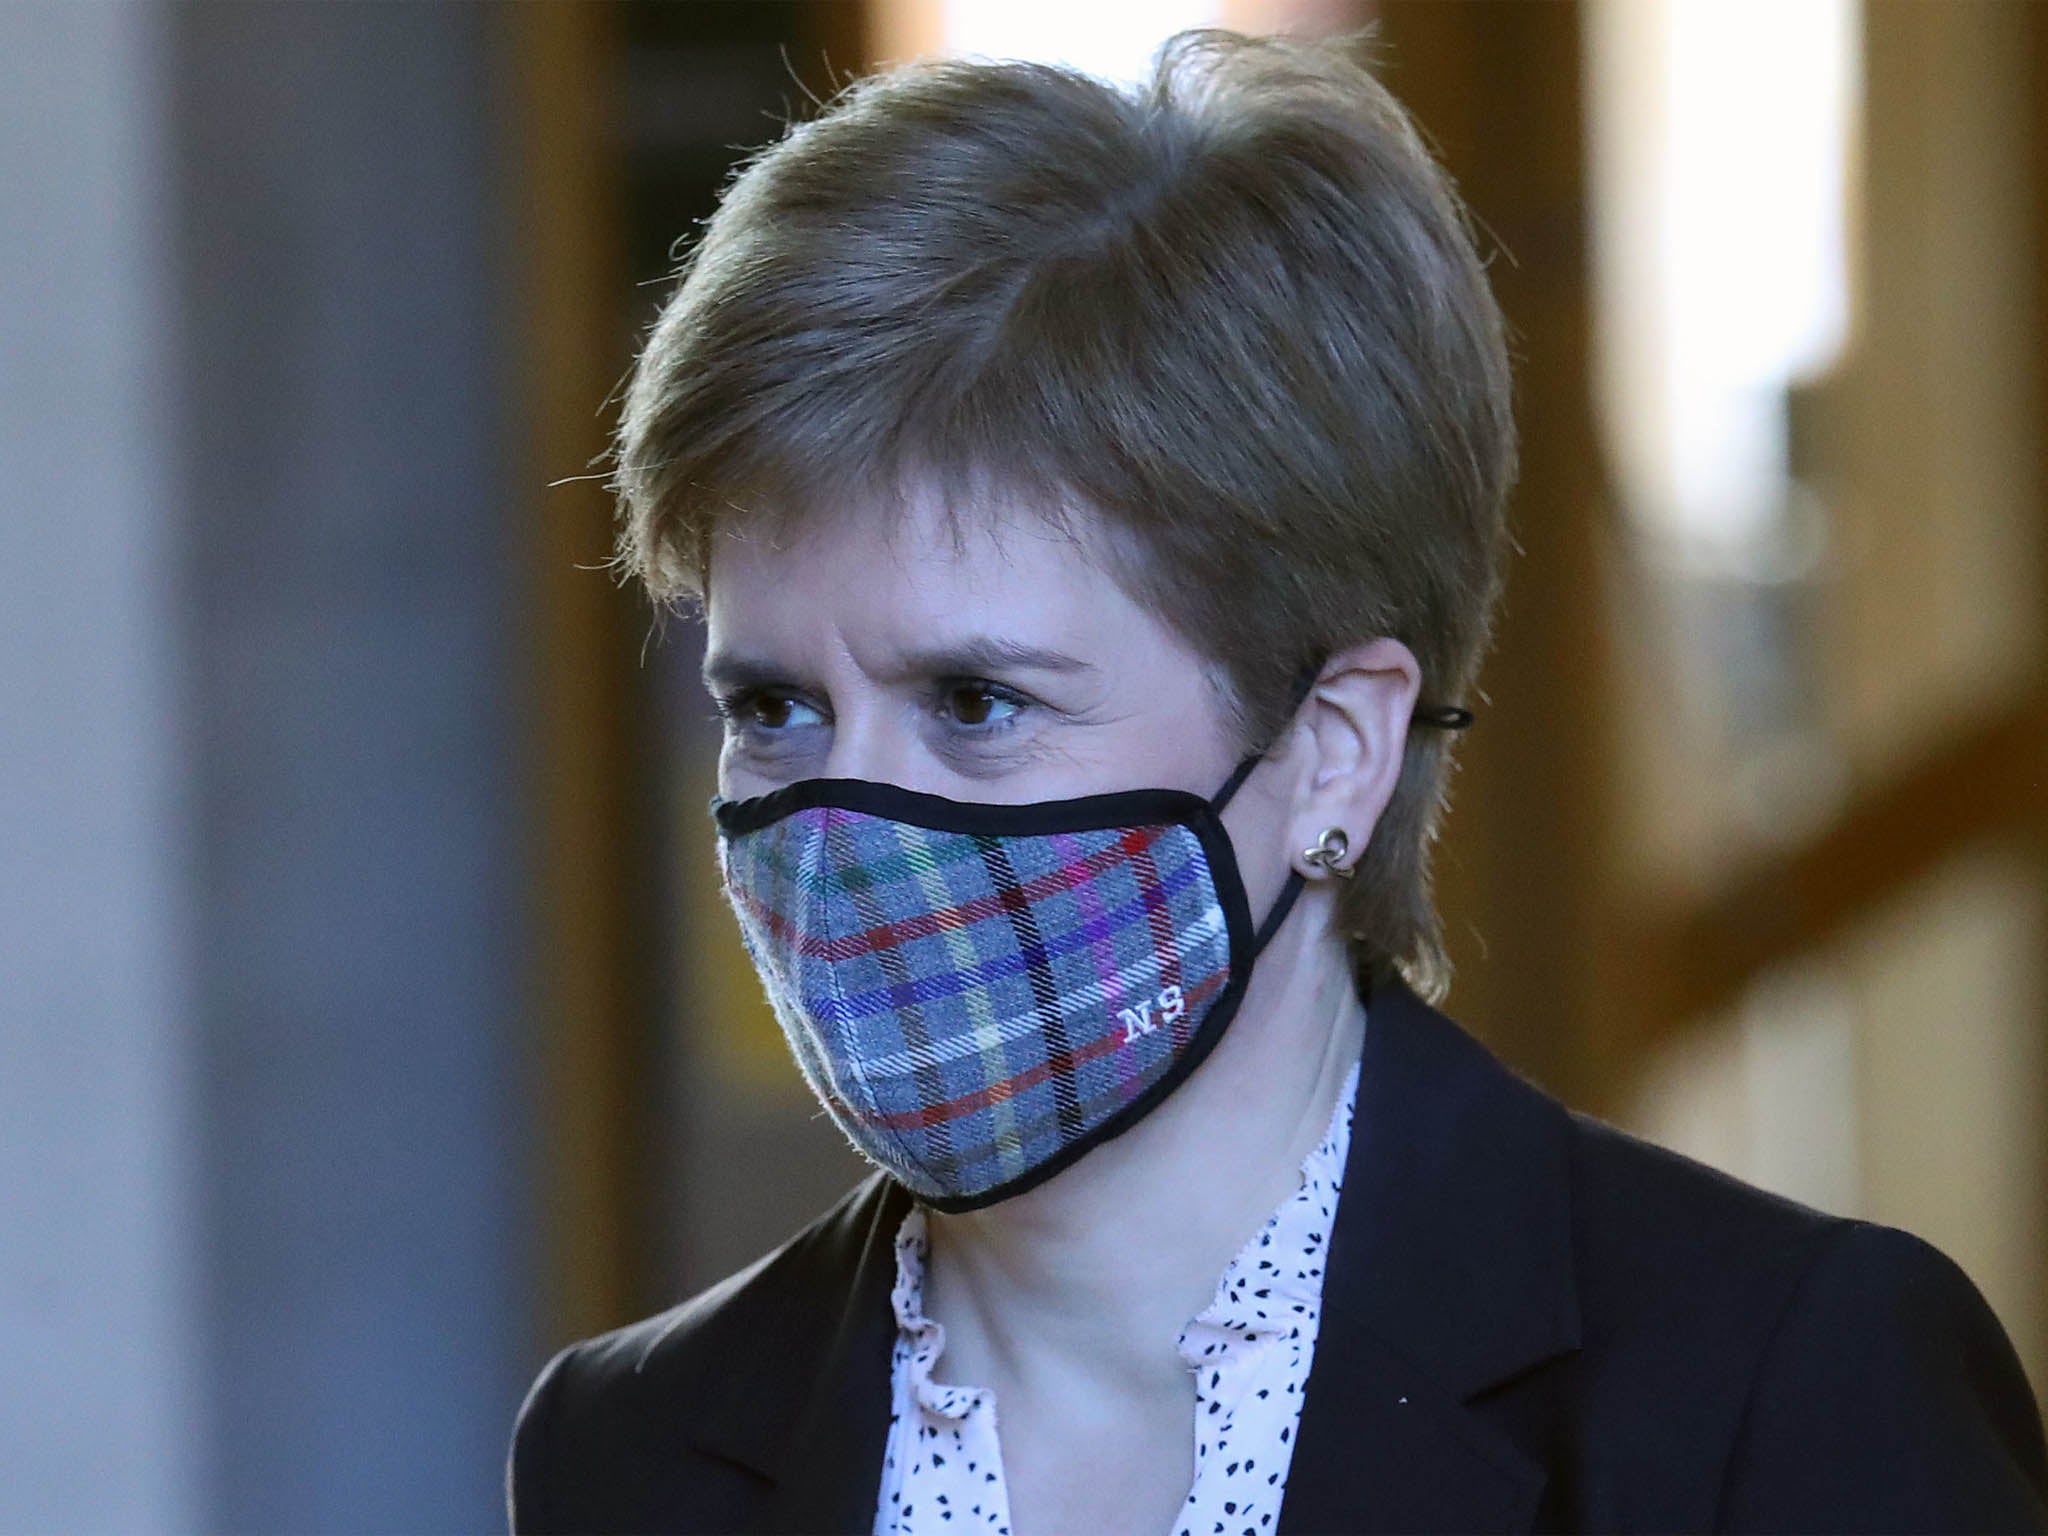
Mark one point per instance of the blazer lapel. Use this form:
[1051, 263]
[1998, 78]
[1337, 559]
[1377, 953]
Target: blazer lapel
[1449, 1271]
[830, 1469]
[803, 1389]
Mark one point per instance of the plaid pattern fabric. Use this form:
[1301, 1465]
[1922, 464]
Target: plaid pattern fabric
[967, 1006]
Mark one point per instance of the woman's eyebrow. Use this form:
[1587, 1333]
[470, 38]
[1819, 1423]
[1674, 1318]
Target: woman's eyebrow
[972, 655]
[967, 656]
[725, 671]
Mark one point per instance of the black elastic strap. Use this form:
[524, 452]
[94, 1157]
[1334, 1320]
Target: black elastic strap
[1447, 717]
[1281, 906]
[1235, 782]
[1304, 681]
[1296, 882]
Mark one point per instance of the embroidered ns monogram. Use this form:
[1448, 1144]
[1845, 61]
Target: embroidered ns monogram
[1172, 1005]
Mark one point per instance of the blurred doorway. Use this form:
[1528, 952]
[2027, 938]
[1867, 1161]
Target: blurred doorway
[1817, 242]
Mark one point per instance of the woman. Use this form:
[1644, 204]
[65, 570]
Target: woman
[1095, 501]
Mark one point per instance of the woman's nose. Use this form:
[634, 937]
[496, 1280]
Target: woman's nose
[866, 744]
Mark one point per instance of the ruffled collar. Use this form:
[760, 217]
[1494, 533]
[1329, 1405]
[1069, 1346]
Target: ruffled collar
[1271, 1289]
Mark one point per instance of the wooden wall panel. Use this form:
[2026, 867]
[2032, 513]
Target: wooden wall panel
[1497, 88]
[593, 1006]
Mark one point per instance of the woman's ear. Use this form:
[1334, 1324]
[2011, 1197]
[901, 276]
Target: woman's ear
[1355, 721]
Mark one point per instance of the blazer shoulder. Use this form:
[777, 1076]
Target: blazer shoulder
[759, 1297]
[1888, 1397]
[1825, 1372]
[1680, 1266]
[1637, 1201]
[606, 1407]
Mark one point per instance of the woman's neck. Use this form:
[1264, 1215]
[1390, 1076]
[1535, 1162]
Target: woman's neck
[1096, 1270]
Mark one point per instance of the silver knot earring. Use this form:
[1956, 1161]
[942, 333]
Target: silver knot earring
[1332, 846]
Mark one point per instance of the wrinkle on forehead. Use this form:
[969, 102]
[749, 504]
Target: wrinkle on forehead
[920, 507]
[959, 508]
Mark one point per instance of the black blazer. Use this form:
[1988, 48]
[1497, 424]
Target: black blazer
[1531, 1321]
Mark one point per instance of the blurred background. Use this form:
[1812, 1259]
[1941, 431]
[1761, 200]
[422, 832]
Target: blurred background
[369, 1021]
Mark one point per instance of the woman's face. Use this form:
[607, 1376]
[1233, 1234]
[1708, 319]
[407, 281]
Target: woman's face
[1003, 666]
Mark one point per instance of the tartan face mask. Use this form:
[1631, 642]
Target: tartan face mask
[979, 994]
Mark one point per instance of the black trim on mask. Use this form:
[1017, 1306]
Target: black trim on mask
[1086, 813]
[1082, 813]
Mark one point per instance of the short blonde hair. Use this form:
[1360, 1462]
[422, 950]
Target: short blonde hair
[1236, 312]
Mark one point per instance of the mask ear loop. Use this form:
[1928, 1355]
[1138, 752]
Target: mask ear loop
[1443, 717]
[1290, 892]
[1446, 717]
[1304, 683]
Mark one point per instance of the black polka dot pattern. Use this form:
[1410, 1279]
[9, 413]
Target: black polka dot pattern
[942, 1469]
[1251, 1348]
[1249, 1351]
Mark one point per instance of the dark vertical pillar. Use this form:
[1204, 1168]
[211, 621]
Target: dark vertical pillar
[599, 845]
[2036, 151]
[1497, 85]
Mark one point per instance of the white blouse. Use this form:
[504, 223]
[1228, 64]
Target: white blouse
[1249, 1350]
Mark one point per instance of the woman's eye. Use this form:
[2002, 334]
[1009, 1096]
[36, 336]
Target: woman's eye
[980, 703]
[767, 711]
